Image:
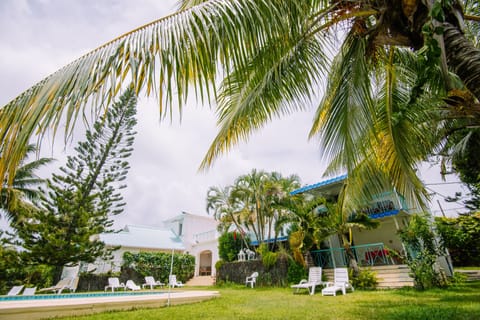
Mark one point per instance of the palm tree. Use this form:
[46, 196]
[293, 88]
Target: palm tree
[342, 220]
[274, 55]
[23, 193]
[308, 226]
[224, 208]
[251, 203]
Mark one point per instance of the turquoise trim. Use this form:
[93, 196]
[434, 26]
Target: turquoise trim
[320, 184]
[76, 295]
[384, 214]
[256, 242]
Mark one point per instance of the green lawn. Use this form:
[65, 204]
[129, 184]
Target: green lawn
[461, 302]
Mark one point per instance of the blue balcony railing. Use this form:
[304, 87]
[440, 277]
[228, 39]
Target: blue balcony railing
[372, 254]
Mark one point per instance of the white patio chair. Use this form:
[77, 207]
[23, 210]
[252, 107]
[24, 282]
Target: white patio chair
[314, 280]
[150, 281]
[29, 291]
[173, 282]
[340, 283]
[15, 290]
[114, 283]
[130, 285]
[251, 280]
[63, 284]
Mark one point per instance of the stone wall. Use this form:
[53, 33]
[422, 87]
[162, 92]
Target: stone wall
[237, 272]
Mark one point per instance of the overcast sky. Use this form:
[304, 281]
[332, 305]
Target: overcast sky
[38, 37]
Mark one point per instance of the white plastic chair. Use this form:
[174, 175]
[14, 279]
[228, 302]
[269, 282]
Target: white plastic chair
[29, 291]
[340, 283]
[131, 285]
[314, 279]
[114, 283]
[150, 281]
[15, 290]
[251, 280]
[63, 284]
[172, 281]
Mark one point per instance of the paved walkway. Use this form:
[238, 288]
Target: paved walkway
[45, 308]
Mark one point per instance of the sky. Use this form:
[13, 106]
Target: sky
[38, 37]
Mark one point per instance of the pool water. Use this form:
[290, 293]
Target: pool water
[78, 295]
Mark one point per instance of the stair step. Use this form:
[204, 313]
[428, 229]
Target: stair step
[201, 281]
[389, 276]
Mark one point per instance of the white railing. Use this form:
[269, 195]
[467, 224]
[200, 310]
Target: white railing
[205, 236]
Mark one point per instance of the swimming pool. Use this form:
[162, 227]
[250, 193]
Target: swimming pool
[43, 306]
[79, 295]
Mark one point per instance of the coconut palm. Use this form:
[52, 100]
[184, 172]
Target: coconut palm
[24, 192]
[273, 57]
[342, 220]
[309, 226]
[224, 208]
[251, 203]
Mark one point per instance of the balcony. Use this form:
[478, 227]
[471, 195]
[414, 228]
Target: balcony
[373, 254]
[205, 236]
[384, 205]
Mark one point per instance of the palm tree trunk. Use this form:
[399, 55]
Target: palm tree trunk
[352, 261]
[463, 58]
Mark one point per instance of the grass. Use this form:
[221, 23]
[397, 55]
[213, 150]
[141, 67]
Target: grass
[468, 268]
[460, 302]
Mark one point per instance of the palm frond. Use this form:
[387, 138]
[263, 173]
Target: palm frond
[277, 81]
[163, 58]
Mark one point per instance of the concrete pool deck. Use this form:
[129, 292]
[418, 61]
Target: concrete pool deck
[46, 308]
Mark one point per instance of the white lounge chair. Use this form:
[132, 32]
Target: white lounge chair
[63, 284]
[131, 285]
[251, 280]
[15, 290]
[29, 291]
[172, 281]
[150, 281]
[114, 283]
[314, 280]
[340, 283]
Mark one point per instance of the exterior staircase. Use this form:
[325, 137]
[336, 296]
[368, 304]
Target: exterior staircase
[393, 276]
[388, 276]
[201, 281]
[472, 275]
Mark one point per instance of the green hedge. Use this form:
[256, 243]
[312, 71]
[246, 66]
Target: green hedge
[158, 265]
[138, 265]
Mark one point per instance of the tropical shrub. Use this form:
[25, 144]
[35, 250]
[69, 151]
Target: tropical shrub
[219, 264]
[269, 259]
[16, 270]
[296, 271]
[365, 279]
[229, 245]
[157, 264]
[460, 235]
[422, 252]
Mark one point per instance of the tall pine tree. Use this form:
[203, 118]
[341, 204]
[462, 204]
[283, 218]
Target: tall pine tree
[80, 202]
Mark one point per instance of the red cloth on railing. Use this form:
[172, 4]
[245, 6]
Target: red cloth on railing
[372, 255]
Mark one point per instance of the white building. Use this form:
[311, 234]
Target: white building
[200, 238]
[185, 233]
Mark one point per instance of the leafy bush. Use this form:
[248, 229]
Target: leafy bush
[422, 252]
[16, 270]
[269, 259]
[460, 235]
[158, 264]
[458, 279]
[229, 245]
[366, 279]
[219, 264]
[296, 272]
